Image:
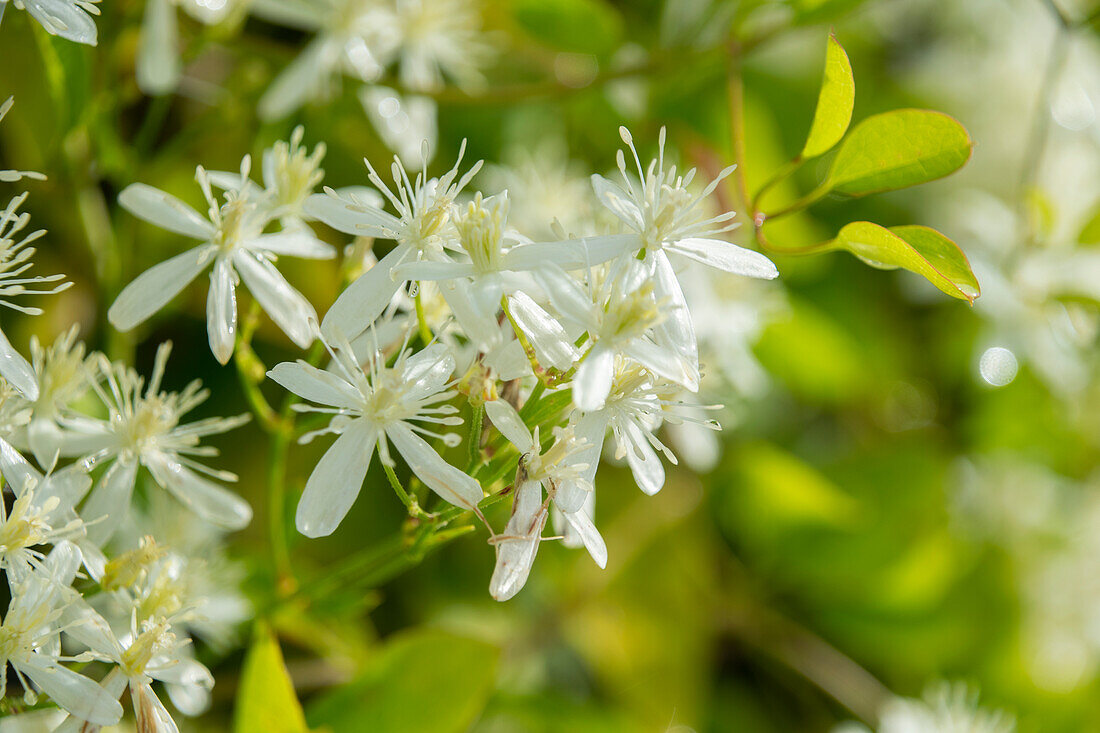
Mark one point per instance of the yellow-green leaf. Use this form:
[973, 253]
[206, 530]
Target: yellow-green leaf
[918, 249]
[898, 149]
[834, 103]
[266, 702]
[580, 26]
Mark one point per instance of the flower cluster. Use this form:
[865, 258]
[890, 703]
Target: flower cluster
[100, 574]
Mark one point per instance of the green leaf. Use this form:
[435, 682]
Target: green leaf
[915, 248]
[818, 11]
[266, 702]
[422, 680]
[1090, 233]
[834, 103]
[898, 149]
[580, 26]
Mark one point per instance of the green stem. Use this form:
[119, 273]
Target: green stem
[276, 508]
[410, 502]
[809, 199]
[779, 176]
[474, 438]
[422, 323]
[251, 372]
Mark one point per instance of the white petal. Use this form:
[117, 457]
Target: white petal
[165, 211]
[302, 79]
[572, 254]
[433, 271]
[336, 480]
[64, 19]
[296, 242]
[552, 344]
[726, 256]
[676, 330]
[109, 502]
[569, 496]
[567, 296]
[428, 371]
[285, 305]
[212, 502]
[663, 362]
[152, 289]
[158, 59]
[617, 201]
[479, 326]
[44, 437]
[17, 370]
[517, 546]
[506, 420]
[589, 535]
[441, 477]
[592, 382]
[221, 310]
[645, 464]
[364, 300]
[315, 385]
[362, 219]
[15, 469]
[148, 707]
[73, 692]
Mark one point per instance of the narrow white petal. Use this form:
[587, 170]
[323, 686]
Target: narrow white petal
[296, 242]
[63, 562]
[221, 310]
[44, 437]
[155, 287]
[432, 271]
[505, 419]
[441, 477]
[571, 254]
[64, 19]
[552, 344]
[315, 385]
[726, 256]
[567, 296]
[645, 464]
[17, 370]
[364, 300]
[676, 330]
[582, 524]
[336, 480]
[517, 546]
[428, 371]
[285, 305]
[663, 362]
[617, 201]
[158, 57]
[363, 219]
[73, 692]
[302, 79]
[592, 382]
[109, 502]
[164, 210]
[212, 502]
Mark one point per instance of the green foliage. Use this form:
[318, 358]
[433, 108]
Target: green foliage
[898, 149]
[834, 103]
[421, 680]
[580, 26]
[266, 702]
[915, 248]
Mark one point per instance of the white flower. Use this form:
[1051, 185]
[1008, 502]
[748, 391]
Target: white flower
[11, 176]
[70, 19]
[15, 260]
[63, 374]
[421, 229]
[622, 314]
[354, 37]
[666, 216]
[42, 513]
[558, 471]
[234, 243]
[370, 406]
[946, 708]
[143, 429]
[440, 38]
[29, 641]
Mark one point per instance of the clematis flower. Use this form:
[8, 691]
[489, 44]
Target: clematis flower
[15, 260]
[143, 429]
[563, 477]
[69, 19]
[30, 643]
[234, 243]
[371, 405]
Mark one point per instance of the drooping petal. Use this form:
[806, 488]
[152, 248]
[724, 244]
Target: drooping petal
[364, 300]
[285, 305]
[73, 692]
[645, 464]
[109, 502]
[726, 256]
[165, 211]
[505, 419]
[676, 330]
[552, 344]
[566, 295]
[221, 310]
[315, 385]
[17, 370]
[212, 502]
[441, 477]
[64, 19]
[152, 289]
[335, 482]
[158, 57]
[592, 381]
[617, 202]
[581, 523]
[517, 546]
[428, 371]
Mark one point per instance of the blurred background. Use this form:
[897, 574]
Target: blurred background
[905, 490]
